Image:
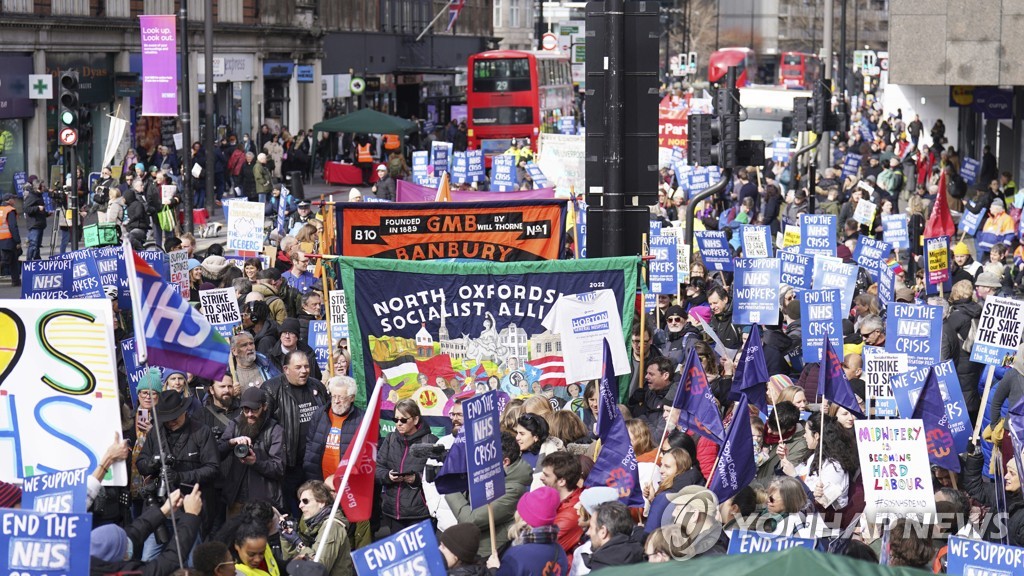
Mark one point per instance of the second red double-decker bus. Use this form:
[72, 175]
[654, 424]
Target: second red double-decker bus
[721, 60]
[515, 94]
[798, 70]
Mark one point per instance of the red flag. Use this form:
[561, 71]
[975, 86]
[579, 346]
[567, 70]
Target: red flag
[940, 222]
[357, 500]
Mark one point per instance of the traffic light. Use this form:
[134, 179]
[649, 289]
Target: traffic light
[821, 101]
[68, 110]
[704, 136]
[714, 139]
[801, 114]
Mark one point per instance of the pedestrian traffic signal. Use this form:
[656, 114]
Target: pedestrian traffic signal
[68, 109]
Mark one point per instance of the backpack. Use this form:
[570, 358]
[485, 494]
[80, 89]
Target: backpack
[957, 187]
[972, 335]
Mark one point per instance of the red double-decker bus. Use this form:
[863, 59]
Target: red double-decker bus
[798, 70]
[515, 94]
[721, 60]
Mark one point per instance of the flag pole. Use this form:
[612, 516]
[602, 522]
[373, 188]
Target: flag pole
[431, 25]
[354, 457]
[984, 402]
[720, 450]
[135, 291]
[643, 313]
[490, 522]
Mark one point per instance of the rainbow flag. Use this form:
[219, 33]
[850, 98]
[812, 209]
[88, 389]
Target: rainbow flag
[894, 264]
[176, 335]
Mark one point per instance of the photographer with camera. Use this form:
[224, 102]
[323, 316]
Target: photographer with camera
[252, 454]
[186, 451]
[100, 196]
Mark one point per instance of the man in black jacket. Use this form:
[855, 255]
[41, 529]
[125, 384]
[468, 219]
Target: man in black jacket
[36, 214]
[294, 398]
[258, 474]
[648, 403]
[288, 341]
[611, 537]
[721, 318]
[188, 447]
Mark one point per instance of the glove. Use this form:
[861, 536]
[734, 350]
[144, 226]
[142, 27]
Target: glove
[292, 537]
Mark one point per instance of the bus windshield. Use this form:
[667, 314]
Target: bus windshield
[501, 75]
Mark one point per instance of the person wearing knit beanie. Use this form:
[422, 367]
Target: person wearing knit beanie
[109, 543]
[536, 549]
[10, 495]
[459, 544]
[538, 508]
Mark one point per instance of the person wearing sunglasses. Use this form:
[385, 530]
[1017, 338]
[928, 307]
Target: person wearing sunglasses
[400, 470]
[315, 500]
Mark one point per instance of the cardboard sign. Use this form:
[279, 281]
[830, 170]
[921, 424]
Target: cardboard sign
[971, 221]
[756, 241]
[663, 271]
[411, 551]
[969, 171]
[714, 249]
[60, 408]
[894, 468]
[63, 492]
[441, 156]
[167, 192]
[484, 471]
[756, 291]
[895, 231]
[339, 313]
[999, 331]
[879, 368]
[791, 236]
[979, 558]
[851, 165]
[538, 177]
[818, 234]
[834, 273]
[871, 255]
[503, 173]
[475, 170]
[316, 337]
[245, 226]
[220, 307]
[420, 166]
[865, 213]
[178, 261]
[907, 388]
[744, 542]
[914, 330]
[821, 313]
[936, 252]
[796, 269]
[45, 543]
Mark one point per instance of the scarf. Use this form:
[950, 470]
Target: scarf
[313, 524]
[538, 535]
[771, 438]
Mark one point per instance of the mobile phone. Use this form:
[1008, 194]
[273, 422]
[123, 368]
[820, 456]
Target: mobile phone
[186, 488]
[143, 415]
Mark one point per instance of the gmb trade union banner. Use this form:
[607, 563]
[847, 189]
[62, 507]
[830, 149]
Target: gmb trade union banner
[59, 407]
[492, 231]
[434, 328]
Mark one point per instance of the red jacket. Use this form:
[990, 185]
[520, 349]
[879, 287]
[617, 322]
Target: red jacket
[235, 162]
[568, 522]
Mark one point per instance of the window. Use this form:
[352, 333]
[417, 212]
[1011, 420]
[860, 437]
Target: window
[497, 13]
[513, 13]
[510, 74]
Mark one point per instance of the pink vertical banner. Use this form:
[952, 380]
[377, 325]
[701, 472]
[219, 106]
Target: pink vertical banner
[159, 66]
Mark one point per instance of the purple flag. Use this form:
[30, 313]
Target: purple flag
[697, 405]
[751, 375]
[832, 382]
[932, 411]
[735, 467]
[616, 463]
[159, 65]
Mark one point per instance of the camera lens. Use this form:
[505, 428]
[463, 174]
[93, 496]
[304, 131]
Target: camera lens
[241, 450]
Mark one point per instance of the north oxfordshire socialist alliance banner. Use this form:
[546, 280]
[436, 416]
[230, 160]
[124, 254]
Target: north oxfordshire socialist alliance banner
[492, 231]
[434, 328]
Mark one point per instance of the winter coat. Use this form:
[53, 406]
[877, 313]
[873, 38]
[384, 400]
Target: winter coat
[619, 550]
[138, 531]
[263, 477]
[263, 180]
[962, 314]
[723, 326]
[798, 452]
[267, 337]
[386, 189]
[236, 162]
[137, 218]
[646, 404]
[517, 481]
[316, 438]
[248, 173]
[401, 500]
[533, 559]
[660, 504]
[278, 310]
[286, 411]
[276, 357]
[337, 556]
[35, 210]
[985, 493]
[1009, 391]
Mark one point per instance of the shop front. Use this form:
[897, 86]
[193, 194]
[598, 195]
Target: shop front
[233, 77]
[15, 107]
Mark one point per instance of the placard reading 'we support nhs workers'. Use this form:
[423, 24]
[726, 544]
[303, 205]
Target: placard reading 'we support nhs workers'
[714, 249]
[756, 291]
[663, 274]
[979, 558]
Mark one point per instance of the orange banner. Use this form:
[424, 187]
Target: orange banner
[492, 231]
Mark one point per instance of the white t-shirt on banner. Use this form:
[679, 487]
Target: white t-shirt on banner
[583, 321]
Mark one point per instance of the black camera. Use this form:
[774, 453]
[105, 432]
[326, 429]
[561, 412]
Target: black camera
[286, 525]
[432, 451]
[241, 450]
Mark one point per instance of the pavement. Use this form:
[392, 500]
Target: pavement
[312, 192]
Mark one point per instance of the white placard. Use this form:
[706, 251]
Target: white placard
[894, 468]
[245, 226]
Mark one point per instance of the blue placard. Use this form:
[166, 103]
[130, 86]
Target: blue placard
[969, 170]
[650, 302]
[158, 260]
[744, 542]
[420, 166]
[895, 232]
[110, 262]
[64, 492]
[782, 148]
[538, 177]
[834, 273]
[821, 314]
[979, 558]
[886, 287]
[914, 330]
[663, 275]
[460, 168]
[48, 202]
[46, 279]
[503, 173]
[818, 234]
[865, 131]
[682, 172]
[413, 550]
[851, 164]
[871, 254]
[714, 249]
[476, 170]
[441, 156]
[20, 179]
[796, 269]
[317, 340]
[132, 368]
[83, 281]
[703, 177]
[45, 543]
[756, 291]
[304, 74]
[567, 125]
[970, 222]
[581, 229]
[483, 449]
[907, 388]
[756, 241]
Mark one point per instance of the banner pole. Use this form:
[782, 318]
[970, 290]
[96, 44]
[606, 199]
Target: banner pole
[984, 402]
[490, 522]
[330, 334]
[643, 311]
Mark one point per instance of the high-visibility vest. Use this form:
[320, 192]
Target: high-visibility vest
[5, 229]
[391, 142]
[364, 153]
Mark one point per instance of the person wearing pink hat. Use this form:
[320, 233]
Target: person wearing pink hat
[535, 548]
